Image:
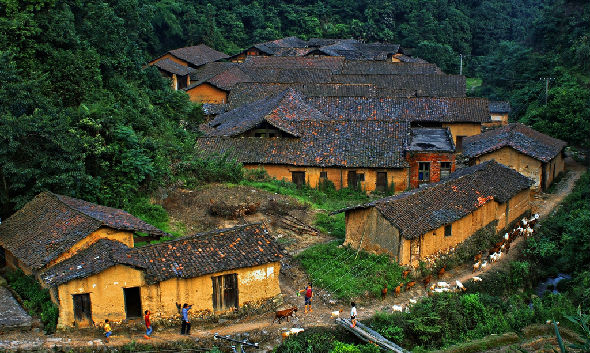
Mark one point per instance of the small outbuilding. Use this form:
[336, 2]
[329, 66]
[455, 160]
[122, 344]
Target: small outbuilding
[535, 155]
[419, 223]
[431, 155]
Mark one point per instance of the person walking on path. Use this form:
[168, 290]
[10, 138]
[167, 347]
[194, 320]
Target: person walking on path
[148, 325]
[185, 329]
[353, 314]
[308, 295]
[107, 330]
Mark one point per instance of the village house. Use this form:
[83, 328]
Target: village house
[536, 155]
[177, 64]
[294, 138]
[419, 223]
[499, 111]
[215, 272]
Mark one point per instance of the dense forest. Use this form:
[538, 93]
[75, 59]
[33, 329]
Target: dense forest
[80, 115]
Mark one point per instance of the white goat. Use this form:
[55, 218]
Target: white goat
[476, 279]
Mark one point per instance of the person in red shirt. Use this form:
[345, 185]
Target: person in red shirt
[148, 325]
[308, 295]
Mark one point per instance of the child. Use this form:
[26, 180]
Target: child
[148, 325]
[353, 314]
[308, 295]
[107, 329]
[185, 328]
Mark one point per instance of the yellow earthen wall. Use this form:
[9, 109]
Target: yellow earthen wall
[554, 167]
[107, 299]
[14, 263]
[367, 230]
[497, 120]
[206, 93]
[337, 176]
[102, 233]
[463, 129]
[522, 163]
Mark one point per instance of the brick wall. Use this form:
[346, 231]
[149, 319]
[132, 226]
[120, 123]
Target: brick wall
[435, 160]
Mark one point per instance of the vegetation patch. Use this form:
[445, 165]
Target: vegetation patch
[349, 273]
[36, 300]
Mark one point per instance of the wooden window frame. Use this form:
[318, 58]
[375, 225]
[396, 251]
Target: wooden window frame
[423, 180]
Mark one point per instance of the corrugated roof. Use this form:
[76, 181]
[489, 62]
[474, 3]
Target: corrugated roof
[518, 136]
[419, 211]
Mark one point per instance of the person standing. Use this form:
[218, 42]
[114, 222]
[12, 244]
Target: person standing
[308, 296]
[185, 329]
[107, 330]
[353, 314]
[148, 325]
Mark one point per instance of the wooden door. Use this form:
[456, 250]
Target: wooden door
[353, 181]
[225, 292]
[381, 181]
[82, 310]
[414, 250]
[298, 178]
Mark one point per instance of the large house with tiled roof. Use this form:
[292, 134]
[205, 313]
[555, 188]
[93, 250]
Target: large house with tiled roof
[84, 253]
[294, 138]
[536, 155]
[419, 223]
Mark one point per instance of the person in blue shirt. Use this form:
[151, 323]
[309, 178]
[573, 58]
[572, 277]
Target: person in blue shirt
[185, 329]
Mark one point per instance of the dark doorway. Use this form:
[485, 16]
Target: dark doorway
[353, 181]
[132, 302]
[459, 144]
[381, 181]
[225, 292]
[298, 178]
[2, 257]
[82, 310]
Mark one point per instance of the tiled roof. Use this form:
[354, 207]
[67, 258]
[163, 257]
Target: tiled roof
[208, 253]
[288, 75]
[279, 111]
[518, 136]
[364, 67]
[276, 62]
[210, 70]
[198, 55]
[214, 109]
[433, 109]
[224, 80]
[172, 67]
[499, 107]
[419, 211]
[274, 45]
[51, 224]
[100, 256]
[365, 51]
[431, 140]
[426, 85]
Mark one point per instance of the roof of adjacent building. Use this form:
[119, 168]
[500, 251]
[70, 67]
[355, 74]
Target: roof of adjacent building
[427, 109]
[103, 254]
[207, 253]
[517, 136]
[425, 85]
[273, 46]
[224, 80]
[279, 111]
[51, 224]
[172, 67]
[355, 50]
[198, 55]
[431, 140]
[419, 211]
[187, 257]
[499, 107]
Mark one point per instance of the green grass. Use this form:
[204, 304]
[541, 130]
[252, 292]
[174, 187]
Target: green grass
[157, 216]
[472, 83]
[333, 225]
[348, 273]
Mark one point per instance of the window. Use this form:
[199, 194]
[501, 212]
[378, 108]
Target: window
[381, 181]
[424, 172]
[225, 292]
[459, 144]
[448, 230]
[323, 175]
[445, 169]
[298, 178]
[132, 302]
[360, 176]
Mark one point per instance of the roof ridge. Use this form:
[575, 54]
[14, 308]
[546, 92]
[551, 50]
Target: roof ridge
[57, 197]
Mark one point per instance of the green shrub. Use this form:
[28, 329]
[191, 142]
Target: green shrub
[340, 347]
[315, 339]
[203, 168]
[36, 300]
[257, 174]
